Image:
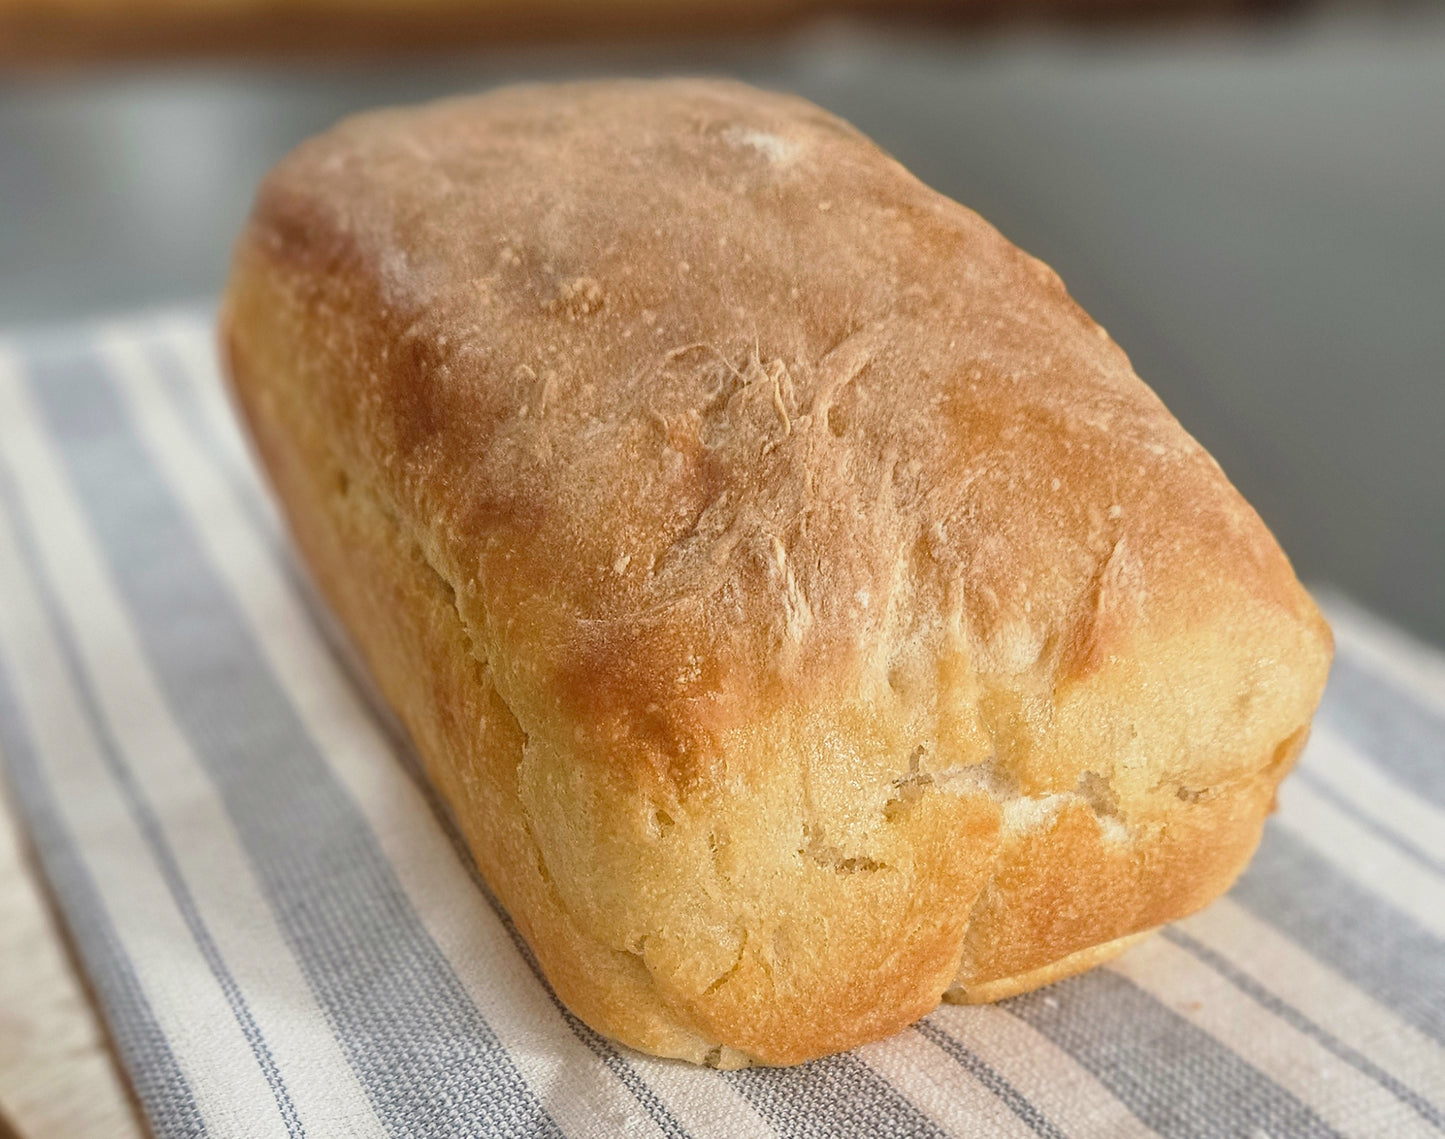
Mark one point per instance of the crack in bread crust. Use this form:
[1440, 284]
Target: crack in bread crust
[804, 612]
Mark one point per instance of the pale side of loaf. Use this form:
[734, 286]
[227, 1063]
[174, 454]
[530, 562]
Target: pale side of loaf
[802, 606]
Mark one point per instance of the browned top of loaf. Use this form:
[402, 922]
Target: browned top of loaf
[710, 404]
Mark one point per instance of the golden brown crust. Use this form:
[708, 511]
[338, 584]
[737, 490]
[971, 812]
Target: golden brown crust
[798, 599]
[1071, 965]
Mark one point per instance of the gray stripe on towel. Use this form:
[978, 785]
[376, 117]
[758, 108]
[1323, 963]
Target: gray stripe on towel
[1389, 725]
[1355, 932]
[1346, 806]
[837, 1097]
[1302, 1023]
[145, 1052]
[425, 1056]
[139, 807]
[1174, 1076]
[1034, 1119]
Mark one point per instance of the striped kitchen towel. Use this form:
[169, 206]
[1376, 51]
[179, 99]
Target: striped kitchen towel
[286, 939]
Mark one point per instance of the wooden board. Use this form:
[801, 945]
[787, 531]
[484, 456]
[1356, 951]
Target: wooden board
[58, 1079]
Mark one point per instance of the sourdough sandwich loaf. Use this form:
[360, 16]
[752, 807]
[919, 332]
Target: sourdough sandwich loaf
[803, 608]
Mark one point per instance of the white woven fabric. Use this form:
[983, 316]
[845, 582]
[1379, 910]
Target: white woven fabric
[287, 940]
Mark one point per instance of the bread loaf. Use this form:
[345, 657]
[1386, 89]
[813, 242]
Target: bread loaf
[803, 608]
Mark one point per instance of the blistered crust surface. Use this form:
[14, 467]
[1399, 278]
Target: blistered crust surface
[861, 624]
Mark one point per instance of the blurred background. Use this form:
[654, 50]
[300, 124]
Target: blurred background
[1249, 196]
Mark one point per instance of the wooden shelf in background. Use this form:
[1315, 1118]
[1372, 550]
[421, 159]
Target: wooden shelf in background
[60, 32]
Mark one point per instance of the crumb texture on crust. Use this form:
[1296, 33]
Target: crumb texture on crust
[798, 599]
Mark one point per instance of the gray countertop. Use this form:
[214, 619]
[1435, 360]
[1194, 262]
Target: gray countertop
[1257, 216]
